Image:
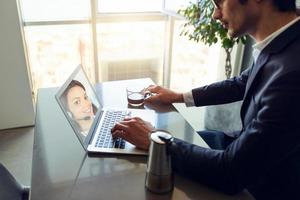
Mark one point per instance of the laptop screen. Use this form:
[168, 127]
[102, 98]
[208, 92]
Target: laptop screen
[79, 103]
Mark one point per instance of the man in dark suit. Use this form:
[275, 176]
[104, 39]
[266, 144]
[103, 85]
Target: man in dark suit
[265, 156]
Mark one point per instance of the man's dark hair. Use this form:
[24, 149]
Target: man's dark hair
[281, 5]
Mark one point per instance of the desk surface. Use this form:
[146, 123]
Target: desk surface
[61, 169]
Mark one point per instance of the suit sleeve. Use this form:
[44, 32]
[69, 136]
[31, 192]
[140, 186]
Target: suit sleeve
[226, 91]
[268, 141]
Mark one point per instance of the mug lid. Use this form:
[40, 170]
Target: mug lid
[161, 136]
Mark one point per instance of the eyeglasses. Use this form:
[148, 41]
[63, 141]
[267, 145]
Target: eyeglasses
[217, 3]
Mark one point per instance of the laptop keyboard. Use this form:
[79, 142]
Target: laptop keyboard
[105, 139]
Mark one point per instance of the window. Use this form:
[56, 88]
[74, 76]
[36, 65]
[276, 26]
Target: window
[175, 5]
[195, 63]
[55, 50]
[51, 10]
[129, 6]
[135, 52]
[119, 41]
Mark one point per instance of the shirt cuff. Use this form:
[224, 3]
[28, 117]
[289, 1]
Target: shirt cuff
[188, 99]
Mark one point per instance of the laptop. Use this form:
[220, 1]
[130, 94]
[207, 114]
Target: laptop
[91, 121]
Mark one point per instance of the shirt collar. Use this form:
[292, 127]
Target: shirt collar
[259, 46]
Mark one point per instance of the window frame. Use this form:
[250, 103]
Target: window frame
[164, 15]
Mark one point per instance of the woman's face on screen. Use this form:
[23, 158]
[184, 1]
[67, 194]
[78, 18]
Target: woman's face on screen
[79, 104]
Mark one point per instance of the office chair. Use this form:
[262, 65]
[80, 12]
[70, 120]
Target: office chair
[10, 189]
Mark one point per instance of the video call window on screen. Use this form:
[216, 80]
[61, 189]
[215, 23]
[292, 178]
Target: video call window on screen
[79, 103]
[79, 106]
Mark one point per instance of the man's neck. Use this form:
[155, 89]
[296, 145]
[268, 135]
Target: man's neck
[271, 22]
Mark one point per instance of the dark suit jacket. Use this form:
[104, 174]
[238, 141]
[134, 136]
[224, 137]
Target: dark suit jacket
[265, 158]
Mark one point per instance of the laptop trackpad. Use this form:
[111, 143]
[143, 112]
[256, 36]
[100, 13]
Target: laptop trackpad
[146, 115]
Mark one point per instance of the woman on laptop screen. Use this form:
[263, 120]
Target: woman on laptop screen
[79, 106]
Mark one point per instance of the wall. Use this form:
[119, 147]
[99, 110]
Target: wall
[16, 105]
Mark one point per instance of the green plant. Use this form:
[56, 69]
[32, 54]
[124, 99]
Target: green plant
[200, 26]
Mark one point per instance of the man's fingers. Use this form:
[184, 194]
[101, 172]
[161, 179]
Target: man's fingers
[127, 118]
[118, 134]
[151, 99]
[153, 88]
[120, 126]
